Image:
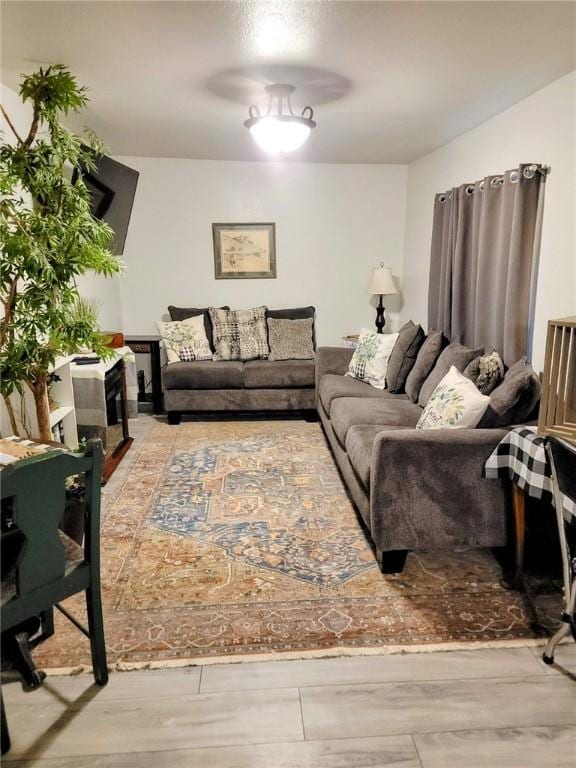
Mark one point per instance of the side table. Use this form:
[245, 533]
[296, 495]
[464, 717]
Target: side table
[101, 403]
[149, 345]
[521, 457]
[351, 340]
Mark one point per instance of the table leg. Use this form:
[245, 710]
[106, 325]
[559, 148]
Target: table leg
[156, 379]
[519, 508]
[4, 724]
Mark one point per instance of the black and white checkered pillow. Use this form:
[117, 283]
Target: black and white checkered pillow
[186, 354]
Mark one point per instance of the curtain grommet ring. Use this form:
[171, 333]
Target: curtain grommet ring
[530, 171]
[514, 177]
[481, 186]
[470, 190]
[497, 181]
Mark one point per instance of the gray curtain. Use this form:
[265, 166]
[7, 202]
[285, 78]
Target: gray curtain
[484, 256]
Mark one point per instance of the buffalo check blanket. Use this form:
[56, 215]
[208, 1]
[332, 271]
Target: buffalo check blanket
[521, 456]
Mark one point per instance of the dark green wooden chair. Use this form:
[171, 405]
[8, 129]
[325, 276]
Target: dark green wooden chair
[50, 567]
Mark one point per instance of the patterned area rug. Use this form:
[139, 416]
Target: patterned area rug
[237, 539]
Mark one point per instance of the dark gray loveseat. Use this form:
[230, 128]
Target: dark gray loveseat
[415, 489]
[235, 385]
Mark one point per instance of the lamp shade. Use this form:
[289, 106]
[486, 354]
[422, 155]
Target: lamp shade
[382, 281]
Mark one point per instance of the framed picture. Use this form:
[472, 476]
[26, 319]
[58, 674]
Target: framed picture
[244, 251]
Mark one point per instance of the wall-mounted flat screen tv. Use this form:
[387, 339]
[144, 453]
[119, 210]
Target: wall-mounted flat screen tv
[112, 187]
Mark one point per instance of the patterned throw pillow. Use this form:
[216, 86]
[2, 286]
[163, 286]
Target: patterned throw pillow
[239, 334]
[189, 334]
[486, 371]
[370, 359]
[455, 354]
[454, 404]
[186, 354]
[290, 339]
[183, 313]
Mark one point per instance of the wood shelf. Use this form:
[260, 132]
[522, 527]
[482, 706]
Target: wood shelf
[59, 413]
[24, 409]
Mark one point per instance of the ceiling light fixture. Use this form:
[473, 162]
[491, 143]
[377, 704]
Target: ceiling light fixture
[281, 131]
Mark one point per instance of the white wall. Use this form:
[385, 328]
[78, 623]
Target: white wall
[105, 291]
[539, 129]
[334, 223]
[20, 114]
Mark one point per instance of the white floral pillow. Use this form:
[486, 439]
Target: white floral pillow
[185, 340]
[370, 359]
[456, 403]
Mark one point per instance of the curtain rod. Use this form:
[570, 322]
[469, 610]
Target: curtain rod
[543, 170]
[529, 171]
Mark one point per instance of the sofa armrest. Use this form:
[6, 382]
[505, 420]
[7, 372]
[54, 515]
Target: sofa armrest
[427, 489]
[332, 360]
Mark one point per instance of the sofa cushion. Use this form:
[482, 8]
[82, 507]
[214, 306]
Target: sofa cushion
[278, 374]
[403, 357]
[183, 313]
[359, 443]
[347, 412]
[333, 385]
[456, 355]
[208, 374]
[295, 313]
[427, 356]
[515, 399]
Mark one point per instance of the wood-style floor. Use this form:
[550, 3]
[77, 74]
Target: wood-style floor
[463, 709]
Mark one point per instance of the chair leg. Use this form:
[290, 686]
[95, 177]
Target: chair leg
[96, 629]
[5, 732]
[569, 625]
[16, 647]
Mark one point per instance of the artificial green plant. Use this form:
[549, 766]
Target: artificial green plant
[48, 239]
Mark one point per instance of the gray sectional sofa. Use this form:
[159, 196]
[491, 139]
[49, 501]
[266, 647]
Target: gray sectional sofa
[235, 385]
[415, 489]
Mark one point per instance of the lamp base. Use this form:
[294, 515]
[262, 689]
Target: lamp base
[380, 319]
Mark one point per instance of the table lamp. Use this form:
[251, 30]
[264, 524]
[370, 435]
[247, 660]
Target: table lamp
[382, 284]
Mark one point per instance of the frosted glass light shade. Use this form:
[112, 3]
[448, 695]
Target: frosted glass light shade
[279, 136]
[382, 281]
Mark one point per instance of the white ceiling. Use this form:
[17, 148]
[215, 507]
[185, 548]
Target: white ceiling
[388, 81]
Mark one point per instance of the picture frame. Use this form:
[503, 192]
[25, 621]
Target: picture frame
[244, 251]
